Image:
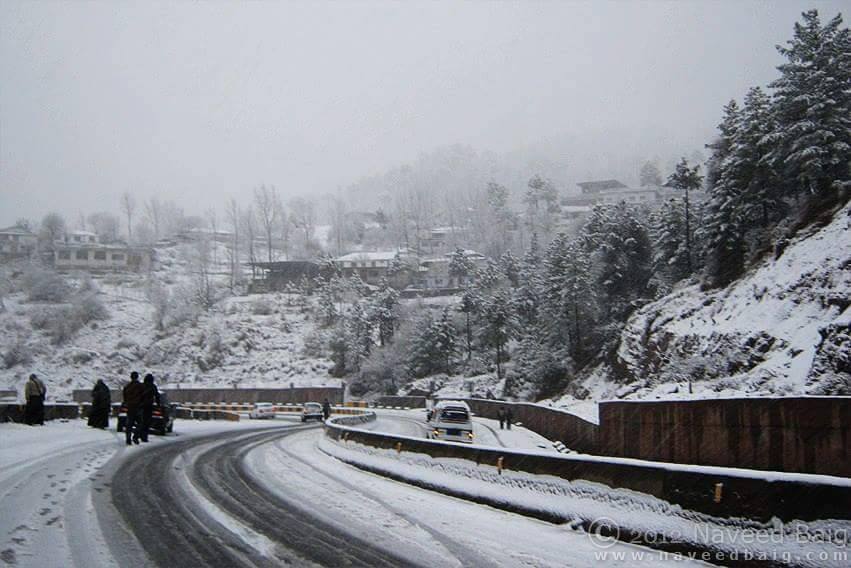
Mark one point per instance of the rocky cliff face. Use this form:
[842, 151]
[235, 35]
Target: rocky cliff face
[783, 328]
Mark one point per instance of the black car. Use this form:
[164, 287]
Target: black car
[162, 418]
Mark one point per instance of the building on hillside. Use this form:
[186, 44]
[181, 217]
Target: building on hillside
[601, 186]
[276, 276]
[612, 191]
[373, 267]
[16, 243]
[433, 273]
[81, 250]
[439, 239]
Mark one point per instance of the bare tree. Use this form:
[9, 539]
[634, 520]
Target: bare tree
[249, 226]
[338, 223]
[268, 209]
[128, 207]
[233, 214]
[154, 214]
[105, 225]
[285, 228]
[303, 218]
[52, 229]
[211, 217]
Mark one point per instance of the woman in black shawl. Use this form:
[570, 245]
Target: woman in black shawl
[101, 405]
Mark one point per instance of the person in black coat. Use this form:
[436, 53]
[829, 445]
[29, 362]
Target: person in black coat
[133, 401]
[150, 395]
[326, 410]
[101, 405]
[500, 414]
[509, 416]
[34, 393]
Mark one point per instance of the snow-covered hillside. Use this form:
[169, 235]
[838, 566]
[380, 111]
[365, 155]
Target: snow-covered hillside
[782, 329]
[251, 341]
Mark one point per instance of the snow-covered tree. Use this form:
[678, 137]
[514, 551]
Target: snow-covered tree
[499, 324]
[649, 175]
[384, 312]
[812, 109]
[686, 178]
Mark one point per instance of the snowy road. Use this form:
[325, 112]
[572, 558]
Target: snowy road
[247, 494]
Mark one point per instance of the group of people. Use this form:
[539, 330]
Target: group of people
[139, 399]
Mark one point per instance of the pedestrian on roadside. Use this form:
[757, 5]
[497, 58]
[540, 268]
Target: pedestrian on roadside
[501, 415]
[508, 418]
[150, 395]
[326, 409]
[34, 392]
[101, 406]
[132, 395]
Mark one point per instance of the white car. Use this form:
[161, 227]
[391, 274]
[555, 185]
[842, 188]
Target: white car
[450, 420]
[262, 410]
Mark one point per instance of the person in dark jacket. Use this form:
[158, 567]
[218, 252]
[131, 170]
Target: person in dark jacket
[150, 395]
[509, 416]
[326, 410]
[34, 392]
[500, 414]
[101, 405]
[132, 395]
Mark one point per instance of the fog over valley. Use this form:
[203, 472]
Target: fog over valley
[200, 102]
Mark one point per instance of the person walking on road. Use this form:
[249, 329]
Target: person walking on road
[132, 395]
[101, 405]
[326, 410]
[508, 418]
[150, 395]
[501, 415]
[34, 392]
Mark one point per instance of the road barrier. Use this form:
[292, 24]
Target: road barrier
[748, 494]
[16, 412]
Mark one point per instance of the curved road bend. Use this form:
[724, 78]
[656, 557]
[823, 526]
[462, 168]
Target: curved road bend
[177, 530]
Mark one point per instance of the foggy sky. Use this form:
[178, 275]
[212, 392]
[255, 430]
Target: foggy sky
[198, 102]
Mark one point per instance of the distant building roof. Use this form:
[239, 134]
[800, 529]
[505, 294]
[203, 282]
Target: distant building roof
[374, 255]
[16, 230]
[601, 185]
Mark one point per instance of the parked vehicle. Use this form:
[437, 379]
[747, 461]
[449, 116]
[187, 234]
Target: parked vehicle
[262, 410]
[312, 411]
[450, 420]
[162, 417]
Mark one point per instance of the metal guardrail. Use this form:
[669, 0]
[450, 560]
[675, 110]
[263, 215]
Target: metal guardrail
[745, 494]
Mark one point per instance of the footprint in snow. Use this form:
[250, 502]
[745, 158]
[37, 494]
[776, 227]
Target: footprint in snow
[44, 511]
[8, 556]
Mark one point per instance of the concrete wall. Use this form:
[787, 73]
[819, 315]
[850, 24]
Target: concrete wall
[409, 401]
[557, 425]
[799, 434]
[307, 394]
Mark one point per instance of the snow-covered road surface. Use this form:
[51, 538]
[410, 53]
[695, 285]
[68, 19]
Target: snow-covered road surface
[244, 494]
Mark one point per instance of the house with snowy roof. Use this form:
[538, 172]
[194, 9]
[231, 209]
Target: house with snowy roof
[17, 242]
[373, 266]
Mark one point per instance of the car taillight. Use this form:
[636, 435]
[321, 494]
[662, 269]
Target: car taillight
[470, 435]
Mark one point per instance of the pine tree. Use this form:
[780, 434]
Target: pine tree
[461, 266]
[670, 255]
[686, 178]
[499, 325]
[384, 312]
[470, 304]
[812, 107]
[358, 334]
[443, 334]
[721, 233]
[649, 175]
[621, 255]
